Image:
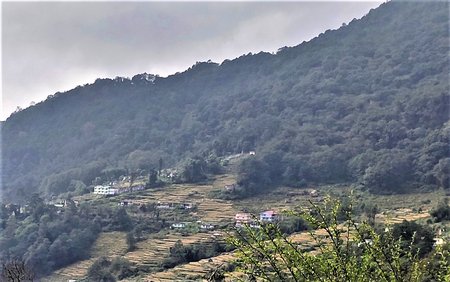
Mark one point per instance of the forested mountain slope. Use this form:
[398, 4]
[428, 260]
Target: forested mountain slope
[368, 102]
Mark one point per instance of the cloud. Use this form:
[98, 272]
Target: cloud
[54, 46]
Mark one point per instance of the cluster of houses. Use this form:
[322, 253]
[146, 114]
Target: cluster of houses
[201, 225]
[170, 206]
[14, 209]
[111, 190]
[247, 219]
[63, 203]
[169, 174]
[241, 154]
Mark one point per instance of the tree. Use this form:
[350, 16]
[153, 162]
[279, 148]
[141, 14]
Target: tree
[131, 242]
[99, 271]
[121, 219]
[152, 177]
[442, 173]
[350, 251]
[442, 211]
[415, 236]
[252, 175]
[193, 170]
[390, 172]
[16, 271]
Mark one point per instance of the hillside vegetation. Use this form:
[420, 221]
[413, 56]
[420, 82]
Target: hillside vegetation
[367, 103]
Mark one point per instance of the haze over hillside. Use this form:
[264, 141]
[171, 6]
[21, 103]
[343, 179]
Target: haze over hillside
[368, 103]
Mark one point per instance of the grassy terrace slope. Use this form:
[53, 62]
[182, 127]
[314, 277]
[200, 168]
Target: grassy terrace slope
[153, 250]
[200, 270]
[191, 271]
[108, 244]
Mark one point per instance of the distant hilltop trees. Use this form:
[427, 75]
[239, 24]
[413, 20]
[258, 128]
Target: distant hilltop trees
[367, 104]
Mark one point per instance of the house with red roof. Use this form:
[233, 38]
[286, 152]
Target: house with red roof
[268, 216]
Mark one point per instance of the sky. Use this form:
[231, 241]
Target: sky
[50, 47]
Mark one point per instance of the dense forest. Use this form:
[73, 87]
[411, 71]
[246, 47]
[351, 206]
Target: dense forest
[367, 103]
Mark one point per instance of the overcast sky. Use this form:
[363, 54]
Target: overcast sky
[55, 46]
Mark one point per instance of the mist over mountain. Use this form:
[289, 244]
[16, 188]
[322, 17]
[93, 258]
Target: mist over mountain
[367, 103]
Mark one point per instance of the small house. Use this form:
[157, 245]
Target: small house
[438, 241]
[230, 187]
[60, 204]
[186, 206]
[124, 203]
[24, 209]
[268, 216]
[252, 153]
[178, 225]
[206, 226]
[164, 206]
[242, 218]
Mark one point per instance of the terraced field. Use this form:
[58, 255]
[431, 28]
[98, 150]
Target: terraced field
[152, 251]
[109, 244]
[193, 271]
[399, 215]
[198, 271]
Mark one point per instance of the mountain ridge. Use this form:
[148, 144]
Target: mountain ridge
[374, 72]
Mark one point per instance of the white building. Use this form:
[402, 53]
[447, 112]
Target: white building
[179, 225]
[207, 226]
[105, 190]
[268, 216]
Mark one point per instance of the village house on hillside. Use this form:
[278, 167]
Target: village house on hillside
[164, 206]
[178, 225]
[230, 187]
[242, 218]
[114, 190]
[186, 206]
[105, 190]
[206, 226]
[169, 174]
[268, 216]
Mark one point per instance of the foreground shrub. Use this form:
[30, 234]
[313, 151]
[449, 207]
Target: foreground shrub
[343, 251]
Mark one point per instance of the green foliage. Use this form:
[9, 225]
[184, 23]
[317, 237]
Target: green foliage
[121, 220]
[180, 253]
[418, 237]
[368, 102]
[391, 171]
[252, 174]
[46, 238]
[350, 251]
[290, 225]
[99, 271]
[122, 268]
[442, 211]
[131, 242]
[193, 170]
